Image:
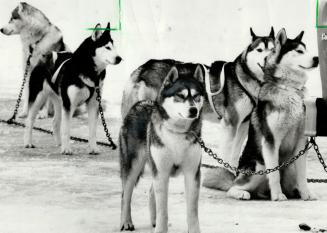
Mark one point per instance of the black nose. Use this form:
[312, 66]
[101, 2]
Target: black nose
[193, 112]
[1, 30]
[315, 61]
[118, 60]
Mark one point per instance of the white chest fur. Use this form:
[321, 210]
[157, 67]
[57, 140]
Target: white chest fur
[177, 149]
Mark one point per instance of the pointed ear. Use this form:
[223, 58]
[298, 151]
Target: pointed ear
[21, 6]
[281, 37]
[198, 74]
[254, 36]
[171, 77]
[272, 33]
[106, 33]
[97, 33]
[299, 37]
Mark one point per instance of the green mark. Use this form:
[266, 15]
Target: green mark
[118, 28]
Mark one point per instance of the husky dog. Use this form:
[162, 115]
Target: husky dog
[37, 33]
[276, 130]
[163, 134]
[72, 84]
[234, 102]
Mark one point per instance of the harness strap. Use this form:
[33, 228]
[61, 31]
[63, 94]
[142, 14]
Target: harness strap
[55, 76]
[208, 87]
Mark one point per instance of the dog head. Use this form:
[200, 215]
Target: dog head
[255, 54]
[23, 19]
[290, 56]
[181, 97]
[104, 49]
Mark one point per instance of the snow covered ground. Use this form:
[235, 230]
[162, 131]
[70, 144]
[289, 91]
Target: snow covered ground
[43, 191]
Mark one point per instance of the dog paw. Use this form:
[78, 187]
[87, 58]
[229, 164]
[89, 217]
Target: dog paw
[127, 226]
[278, 197]
[94, 151]
[29, 145]
[239, 194]
[308, 196]
[66, 151]
[22, 115]
[42, 115]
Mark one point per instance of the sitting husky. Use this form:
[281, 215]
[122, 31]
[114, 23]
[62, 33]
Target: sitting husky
[38, 33]
[163, 134]
[276, 130]
[72, 84]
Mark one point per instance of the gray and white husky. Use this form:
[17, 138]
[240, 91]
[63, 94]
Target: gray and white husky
[37, 33]
[276, 130]
[163, 134]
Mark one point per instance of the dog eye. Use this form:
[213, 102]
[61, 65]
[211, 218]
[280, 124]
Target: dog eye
[197, 98]
[299, 51]
[107, 47]
[180, 96]
[259, 50]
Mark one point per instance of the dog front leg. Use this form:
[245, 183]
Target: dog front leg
[192, 190]
[66, 117]
[33, 109]
[238, 140]
[93, 112]
[24, 112]
[270, 154]
[161, 182]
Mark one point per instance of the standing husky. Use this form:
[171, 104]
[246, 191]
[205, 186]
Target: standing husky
[37, 33]
[73, 84]
[277, 126]
[163, 134]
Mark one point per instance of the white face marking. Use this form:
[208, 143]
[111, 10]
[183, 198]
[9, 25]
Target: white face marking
[105, 55]
[298, 59]
[256, 58]
[180, 105]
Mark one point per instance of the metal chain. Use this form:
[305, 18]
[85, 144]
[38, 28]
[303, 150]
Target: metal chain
[321, 160]
[28, 65]
[98, 98]
[206, 149]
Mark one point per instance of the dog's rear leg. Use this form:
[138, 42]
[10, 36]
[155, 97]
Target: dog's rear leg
[244, 185]
[34, 107]
[152, 206]
[56, 119]
[301, 172]
[129, 180]
[43, 113]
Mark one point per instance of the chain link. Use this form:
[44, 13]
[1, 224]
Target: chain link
[105, 128]
[311, 142]
[28, 65]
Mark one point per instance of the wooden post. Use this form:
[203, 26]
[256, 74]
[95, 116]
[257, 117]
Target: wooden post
[322, 43]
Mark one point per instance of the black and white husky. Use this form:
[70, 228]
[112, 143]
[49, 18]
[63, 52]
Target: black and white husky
[72, 84]
[276, 130]
[38, 33]
[163, 134]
